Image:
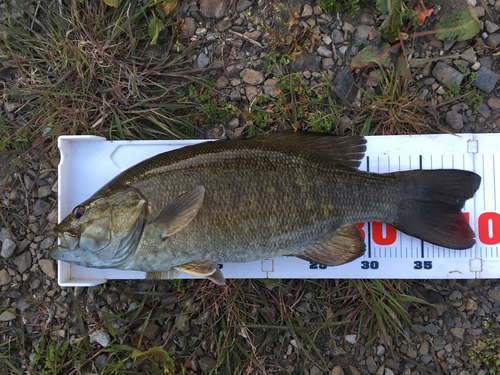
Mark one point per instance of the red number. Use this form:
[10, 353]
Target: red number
[466, 214]
[378, 234]
[360, 226]
[484, 230]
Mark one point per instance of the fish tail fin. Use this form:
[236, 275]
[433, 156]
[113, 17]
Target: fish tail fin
[432, 204]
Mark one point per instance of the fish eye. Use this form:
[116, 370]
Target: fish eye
[78, 212]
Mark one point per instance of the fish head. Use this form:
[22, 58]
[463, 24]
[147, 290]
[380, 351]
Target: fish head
[103, 231]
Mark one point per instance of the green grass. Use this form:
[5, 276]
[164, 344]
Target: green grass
[87, 68]
[248, 326]
[394, 107]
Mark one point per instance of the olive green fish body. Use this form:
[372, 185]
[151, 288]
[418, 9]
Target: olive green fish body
[247, 200]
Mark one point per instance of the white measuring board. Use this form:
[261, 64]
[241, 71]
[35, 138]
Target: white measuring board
[88, 162]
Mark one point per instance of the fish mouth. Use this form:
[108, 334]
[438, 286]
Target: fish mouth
[58, 252]
[70, 240]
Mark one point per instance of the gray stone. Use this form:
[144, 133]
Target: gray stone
[362, 33]
[7, 316]
[271, 87]
[388, 371]
[486, 79]
[337, 370]
[307, 11]
[315, 371]
[446, 74]
[327, 63]
[458, 333]
[486, 61]
[151, 331]
[429, 81]
[252, 77]
[474, 331]
[41, 207]
[491, 27]
[112, 299]
[344, 83]
[4, 277]
[202, 61]
[47, 243]
[493, 40]
[455, 120]
[351, 339]
[426, 358]
[484, 111]
[102, 338]
[431, 329]
[143, 287]
[35, 284]
[8, 248]
[4, 233]
[224, 24]
[494, 294]
[324, 52]
[222, 82]
[469, 55]
[213, 9]
[23, 261]
[366, 19]
[448, 44]
[44, 191]
[306, 61]
[252, 93]
[337, 36]
[235, 96]
[380, 350]
[479, 11]
[21, 306]
[412, 353]
[207, 364]
[189, 28]
[11, 106]
[48, 268]
[371, 365]
[243, 5]
[424, 348]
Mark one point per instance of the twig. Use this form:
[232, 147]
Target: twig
[466, 290]
[247, 38]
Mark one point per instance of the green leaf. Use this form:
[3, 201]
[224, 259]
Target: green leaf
[383, 6]
[460, 26]
[392, 23]
[112, 3]
[371, 56]
[155, 28]
[159, 353]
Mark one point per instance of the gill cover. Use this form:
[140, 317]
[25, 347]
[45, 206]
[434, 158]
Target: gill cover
[105, 232]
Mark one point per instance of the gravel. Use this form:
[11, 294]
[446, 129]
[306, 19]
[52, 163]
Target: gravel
[461, 314]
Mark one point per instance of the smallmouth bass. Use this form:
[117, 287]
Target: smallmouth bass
[244, 200]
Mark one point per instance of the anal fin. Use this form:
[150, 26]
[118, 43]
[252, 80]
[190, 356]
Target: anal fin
[204, 268]
[343, 246]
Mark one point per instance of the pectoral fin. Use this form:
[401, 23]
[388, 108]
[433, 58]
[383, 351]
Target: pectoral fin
[343, 246]
[180, 212]
[205, 268]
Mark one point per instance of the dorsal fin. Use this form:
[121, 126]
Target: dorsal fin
[345, 150]
[343, 246]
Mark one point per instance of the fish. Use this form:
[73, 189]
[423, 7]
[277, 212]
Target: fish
[285, 194]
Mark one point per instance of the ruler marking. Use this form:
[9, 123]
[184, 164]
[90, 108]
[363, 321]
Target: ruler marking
[369, 224]
[494, 187]
[484, 184]
[422, 241]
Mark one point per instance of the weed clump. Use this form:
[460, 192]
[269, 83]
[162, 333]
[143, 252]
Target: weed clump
[488, 352]
[86, 68]
[349, 6]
